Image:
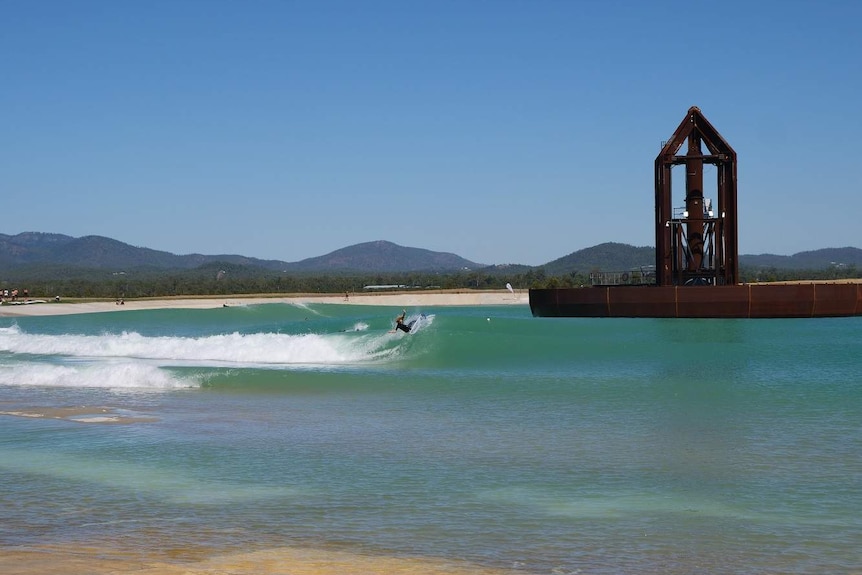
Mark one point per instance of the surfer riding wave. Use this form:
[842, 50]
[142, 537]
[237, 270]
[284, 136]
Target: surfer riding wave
[405, 327]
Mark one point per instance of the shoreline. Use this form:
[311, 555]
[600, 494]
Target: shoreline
[403, 299]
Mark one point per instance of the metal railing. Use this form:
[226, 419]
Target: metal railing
[643, 276]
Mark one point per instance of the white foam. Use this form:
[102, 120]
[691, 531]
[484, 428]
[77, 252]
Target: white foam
[420, 321]
[234, 348]
[133, 361]
[113, 375]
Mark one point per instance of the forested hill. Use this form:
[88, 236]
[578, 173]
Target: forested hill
[621, 257]
[34, 249]
[382, 256]
[98, 252]
[52, 253]
[817, 259]
[608, 257]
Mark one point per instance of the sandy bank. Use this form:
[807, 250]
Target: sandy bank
[396, 299]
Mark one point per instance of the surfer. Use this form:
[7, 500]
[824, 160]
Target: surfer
[399, 323]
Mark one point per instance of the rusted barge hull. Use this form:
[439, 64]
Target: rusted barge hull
[737, 301]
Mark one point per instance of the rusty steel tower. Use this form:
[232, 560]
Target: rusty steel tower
[697, 253]
[696, 245]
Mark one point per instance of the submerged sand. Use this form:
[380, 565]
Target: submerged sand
[395, 299]
[83, 560]
[81, 414]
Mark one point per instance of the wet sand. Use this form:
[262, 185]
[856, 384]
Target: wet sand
[83, 560]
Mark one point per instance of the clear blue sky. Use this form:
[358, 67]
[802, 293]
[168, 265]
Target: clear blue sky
[503, 131]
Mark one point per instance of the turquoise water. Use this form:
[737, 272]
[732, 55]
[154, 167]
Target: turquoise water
[529, 444]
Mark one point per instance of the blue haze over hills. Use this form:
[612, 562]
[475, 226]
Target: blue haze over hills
[33, 249]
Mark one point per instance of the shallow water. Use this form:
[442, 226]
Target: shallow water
[487, 439]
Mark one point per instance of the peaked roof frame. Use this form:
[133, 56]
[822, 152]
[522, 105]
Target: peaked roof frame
[723, 157]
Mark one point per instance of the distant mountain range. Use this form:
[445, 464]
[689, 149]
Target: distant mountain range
[614, 256]
[31, 250]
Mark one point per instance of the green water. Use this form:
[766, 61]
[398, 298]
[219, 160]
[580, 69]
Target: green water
[534, 444]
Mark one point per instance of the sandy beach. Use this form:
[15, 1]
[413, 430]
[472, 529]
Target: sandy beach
[38, 306]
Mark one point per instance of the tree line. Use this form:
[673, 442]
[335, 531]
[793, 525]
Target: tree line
[131, 286]
[231, 279]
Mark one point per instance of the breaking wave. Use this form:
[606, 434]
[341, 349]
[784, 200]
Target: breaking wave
[129, 359]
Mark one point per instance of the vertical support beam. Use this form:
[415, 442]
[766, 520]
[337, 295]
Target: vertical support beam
[663, 215]
[694, 201]
[732, 224]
